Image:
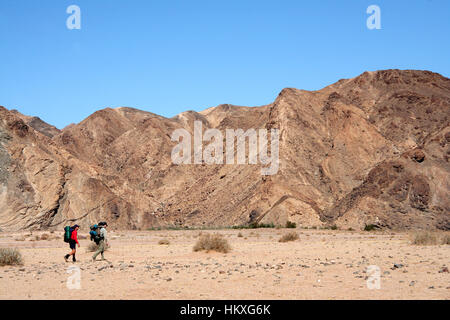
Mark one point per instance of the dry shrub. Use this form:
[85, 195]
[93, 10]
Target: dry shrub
[214, 242]
[428, 238]
[164, 242]
[92, 247]
[291, 225]
[291, 236]
[240, 235]
[445, 239]
[45, 236]
[21, 238]
[10, 257]
[198, 235]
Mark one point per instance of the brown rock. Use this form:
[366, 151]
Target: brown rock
[345, 159]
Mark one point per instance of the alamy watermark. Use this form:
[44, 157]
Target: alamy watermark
[374, 20]
[74, 20]
[74, 280]
[214, 152]
[373, 278]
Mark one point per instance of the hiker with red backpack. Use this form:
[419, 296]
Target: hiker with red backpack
[71, 236]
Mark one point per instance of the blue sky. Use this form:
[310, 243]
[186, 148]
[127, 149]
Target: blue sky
[170, 56]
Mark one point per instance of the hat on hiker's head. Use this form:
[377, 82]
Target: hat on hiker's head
[76, 226]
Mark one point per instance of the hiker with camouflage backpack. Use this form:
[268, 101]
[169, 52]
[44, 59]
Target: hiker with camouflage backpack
[103, 241]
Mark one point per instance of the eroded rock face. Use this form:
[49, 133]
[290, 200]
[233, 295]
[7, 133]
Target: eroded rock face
[369, 150]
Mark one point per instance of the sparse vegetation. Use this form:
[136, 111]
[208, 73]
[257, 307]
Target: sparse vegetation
[45, 236]
[424, 238]
[240, 235]
[371, 227]
[291, 225]
[330, 227]
[92, 247]
[262, 225]
[198, 235]
[164, 242]
[10, 257]
[428, 238]
[178, 228]
[255, 225]
[445, 239]
[291, 236]
[208, 242]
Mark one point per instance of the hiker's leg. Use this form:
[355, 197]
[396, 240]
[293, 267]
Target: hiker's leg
[68, 255]
[103, 249]
[96, 254]
[72, 245]
[99, 250]
[73, 255]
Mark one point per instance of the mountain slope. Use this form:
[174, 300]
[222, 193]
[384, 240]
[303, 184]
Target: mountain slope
[369, 150]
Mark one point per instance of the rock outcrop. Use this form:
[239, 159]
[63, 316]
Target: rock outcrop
[369, 150]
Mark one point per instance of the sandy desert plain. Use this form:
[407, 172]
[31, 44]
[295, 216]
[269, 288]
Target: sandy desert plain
[321, 264]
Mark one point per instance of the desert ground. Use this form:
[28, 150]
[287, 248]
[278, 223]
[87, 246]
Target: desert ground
[321, 264]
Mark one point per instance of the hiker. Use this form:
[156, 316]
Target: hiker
[103, 241]
[73, 241]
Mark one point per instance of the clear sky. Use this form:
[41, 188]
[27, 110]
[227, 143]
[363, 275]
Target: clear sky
[170, 56]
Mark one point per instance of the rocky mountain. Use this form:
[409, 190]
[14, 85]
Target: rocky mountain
[369, 150]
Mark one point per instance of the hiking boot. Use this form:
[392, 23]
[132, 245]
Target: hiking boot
[65, 258]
